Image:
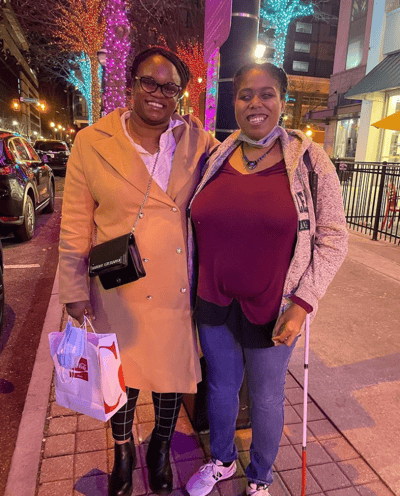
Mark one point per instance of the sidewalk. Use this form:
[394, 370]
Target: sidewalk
[353, 446]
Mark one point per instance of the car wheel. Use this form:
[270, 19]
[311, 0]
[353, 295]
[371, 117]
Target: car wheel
[50, 207]
[27, 228]
[1, 299]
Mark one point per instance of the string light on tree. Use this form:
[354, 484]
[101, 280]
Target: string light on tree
[193, 55]
[117, 49]
[280, 13]
[211, 92]
[83, 85]
[80, 27]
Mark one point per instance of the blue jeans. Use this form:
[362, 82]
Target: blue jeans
[266, 372]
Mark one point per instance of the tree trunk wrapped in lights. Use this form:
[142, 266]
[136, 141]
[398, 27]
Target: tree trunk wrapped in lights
[81, 28]
[117, 48]
[280, 13]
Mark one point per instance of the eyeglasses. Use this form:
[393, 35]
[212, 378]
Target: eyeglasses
[149, 85]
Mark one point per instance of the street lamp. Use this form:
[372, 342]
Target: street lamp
[51, 124]
[15, 123]
[259, 52]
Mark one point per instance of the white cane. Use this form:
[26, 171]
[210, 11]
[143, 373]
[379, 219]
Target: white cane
[304, 456]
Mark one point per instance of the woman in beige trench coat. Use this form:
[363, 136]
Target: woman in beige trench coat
[107, 177]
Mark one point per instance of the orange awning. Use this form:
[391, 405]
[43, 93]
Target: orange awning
[390, 122]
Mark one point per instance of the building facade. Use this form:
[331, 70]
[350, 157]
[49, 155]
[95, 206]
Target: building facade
[379, 89]
[17, 79]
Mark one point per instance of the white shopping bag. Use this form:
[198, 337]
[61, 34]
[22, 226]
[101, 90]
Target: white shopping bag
[96, 385]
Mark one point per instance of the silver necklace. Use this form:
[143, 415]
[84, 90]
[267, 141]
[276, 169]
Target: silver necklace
[252, 164]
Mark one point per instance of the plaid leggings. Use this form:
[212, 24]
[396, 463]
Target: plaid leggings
[166, 409]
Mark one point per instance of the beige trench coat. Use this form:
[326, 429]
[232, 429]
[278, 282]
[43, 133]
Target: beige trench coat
[105, 185]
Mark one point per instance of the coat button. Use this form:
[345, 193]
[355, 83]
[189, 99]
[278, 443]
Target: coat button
[183, 290]
[141, 215]
[149, 297]
[145, 260]
[179, 250]
[174, 209]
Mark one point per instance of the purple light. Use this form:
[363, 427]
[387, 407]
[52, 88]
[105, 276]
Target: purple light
[117, 46]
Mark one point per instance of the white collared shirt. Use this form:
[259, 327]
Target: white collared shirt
[167, 150]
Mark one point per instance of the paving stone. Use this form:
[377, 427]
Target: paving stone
[329, 476]
[205, 443]
[186, 469]
[291, 382]
[62, 425]
[184, 426]
[358, 471]
[91, 441]
[294, 433]
[295, 396]
[244, 459]
[348, 491]
[60, 411]
[144, 432]
[339, 449]
[93, 486]
[374, 489]
[313, 412]
[56, 468]
[186, 447]
[315, 453]
[287, 458]
[145, 413]
[139, 483]
[86, 423]
[64, 444]
[232, 487]
[284, 441]
[292, 480]
[323, 429]
[145, 397]
[243, 439]
[89, 464]
[59, 488]
[276, 488]
[291, 416]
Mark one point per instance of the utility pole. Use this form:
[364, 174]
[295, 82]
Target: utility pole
[237, 50]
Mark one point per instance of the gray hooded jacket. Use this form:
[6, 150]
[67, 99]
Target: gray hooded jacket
[313, 265]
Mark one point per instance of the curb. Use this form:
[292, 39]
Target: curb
[25, 461]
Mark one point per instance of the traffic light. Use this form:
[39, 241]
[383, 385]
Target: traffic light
[15, 105]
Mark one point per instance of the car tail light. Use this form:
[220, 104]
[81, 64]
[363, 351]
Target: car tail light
[6, 170]
[9, 219]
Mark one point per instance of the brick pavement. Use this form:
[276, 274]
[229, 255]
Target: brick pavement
[77, 454]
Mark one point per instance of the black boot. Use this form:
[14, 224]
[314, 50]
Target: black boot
[124, 462]
[159, 466]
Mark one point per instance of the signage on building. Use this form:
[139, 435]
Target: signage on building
[28, 100]
[217, 25]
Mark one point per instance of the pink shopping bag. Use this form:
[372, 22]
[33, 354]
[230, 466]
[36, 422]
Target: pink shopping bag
[96, 385]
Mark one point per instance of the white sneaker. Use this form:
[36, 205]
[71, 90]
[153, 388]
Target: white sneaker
[257, 490]
[203, 481]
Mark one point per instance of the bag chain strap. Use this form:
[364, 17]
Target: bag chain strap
[144, 199]
[147, 191]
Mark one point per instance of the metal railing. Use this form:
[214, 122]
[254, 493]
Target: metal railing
[371, 195]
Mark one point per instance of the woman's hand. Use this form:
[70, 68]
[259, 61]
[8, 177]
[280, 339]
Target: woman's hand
[78, 310]
[288, 326]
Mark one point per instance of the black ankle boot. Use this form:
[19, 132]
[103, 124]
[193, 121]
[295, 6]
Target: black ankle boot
[159, 466]
[124, 462]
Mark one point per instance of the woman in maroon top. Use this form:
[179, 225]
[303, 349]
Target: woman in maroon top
[248, 214]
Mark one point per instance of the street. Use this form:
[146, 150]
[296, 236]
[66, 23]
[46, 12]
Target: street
[28, 279]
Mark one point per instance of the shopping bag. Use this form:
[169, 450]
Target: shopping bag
[95, 386]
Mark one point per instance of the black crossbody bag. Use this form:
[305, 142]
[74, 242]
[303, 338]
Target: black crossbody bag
[118, 261]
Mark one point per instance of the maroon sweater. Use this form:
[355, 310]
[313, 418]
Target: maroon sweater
[246, 231]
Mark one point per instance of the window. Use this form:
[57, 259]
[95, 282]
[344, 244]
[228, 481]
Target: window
[304, 27]
[346, 138]
[300, 66]
[19, 150]
[358, 9]
[32, 154]
[302, 47]
[358, 22]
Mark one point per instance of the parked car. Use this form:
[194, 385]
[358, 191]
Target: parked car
[55, 153]
[27, 186]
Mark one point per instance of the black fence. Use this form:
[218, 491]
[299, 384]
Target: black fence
[371, 194]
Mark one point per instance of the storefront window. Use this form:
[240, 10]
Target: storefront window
[391, 139]
[346, 138]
